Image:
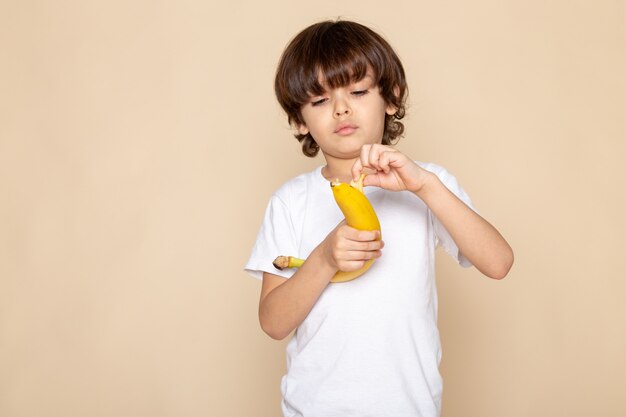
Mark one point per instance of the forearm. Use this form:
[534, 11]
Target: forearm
[287, 305]
[476, 239]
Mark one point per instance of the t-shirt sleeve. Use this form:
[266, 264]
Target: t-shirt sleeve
[276, 237]
[442, 236]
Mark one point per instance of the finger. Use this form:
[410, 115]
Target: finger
[348, 266]
[360, 246]
[372, 245]
[360, 235]
[364, 157]
[386, 159]
[357, 168]
[373, 156]
[371, 179]
[363, 255]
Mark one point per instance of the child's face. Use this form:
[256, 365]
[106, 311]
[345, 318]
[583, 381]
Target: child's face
[344, 119]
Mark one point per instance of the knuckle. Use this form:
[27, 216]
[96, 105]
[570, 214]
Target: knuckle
[364, 235]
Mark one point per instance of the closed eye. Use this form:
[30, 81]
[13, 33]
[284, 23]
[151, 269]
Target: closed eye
[318, 102]
[360, 92]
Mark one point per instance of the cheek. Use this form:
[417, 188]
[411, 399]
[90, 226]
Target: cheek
[382, 117]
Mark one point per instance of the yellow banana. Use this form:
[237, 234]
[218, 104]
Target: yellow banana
[359, 214]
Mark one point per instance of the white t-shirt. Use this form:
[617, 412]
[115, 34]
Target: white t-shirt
[369, 347]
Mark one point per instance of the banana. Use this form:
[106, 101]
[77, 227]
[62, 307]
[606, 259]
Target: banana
[359, 214]
[283, 262]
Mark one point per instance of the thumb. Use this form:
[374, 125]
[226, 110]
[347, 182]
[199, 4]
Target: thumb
[371, 180]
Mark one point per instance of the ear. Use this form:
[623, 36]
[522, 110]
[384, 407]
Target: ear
[391, 109]
[301, 128]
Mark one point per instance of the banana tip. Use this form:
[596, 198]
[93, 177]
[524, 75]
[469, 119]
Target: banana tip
[358, 184]
[281, 262]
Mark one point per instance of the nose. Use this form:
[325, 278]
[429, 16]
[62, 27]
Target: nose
[342, 108]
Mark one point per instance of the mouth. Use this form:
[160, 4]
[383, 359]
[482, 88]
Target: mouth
[345, 129]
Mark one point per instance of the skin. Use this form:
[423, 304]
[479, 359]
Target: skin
[285, 303]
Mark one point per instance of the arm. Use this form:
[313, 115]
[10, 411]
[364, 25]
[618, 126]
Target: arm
[476, 239]
[285, 303]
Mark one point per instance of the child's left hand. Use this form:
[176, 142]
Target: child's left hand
[394, 171]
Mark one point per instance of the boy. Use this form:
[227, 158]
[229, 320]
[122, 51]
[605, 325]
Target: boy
[367, 347]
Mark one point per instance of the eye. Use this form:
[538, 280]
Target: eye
[318, 101]
[360, 92]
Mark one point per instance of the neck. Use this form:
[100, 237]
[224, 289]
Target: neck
[338, 169]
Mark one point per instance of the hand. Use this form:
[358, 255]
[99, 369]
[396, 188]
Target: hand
[347, 249]
[392, 170]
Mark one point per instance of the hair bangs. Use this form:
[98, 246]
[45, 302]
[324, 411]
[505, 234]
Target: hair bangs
[333, 65]
[342, 68]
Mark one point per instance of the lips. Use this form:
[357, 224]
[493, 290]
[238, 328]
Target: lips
[345, 129]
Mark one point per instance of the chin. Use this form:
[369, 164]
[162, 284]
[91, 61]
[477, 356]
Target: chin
[350, 153]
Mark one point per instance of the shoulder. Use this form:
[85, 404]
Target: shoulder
[296, 188]
[448, 179]
[444, 174]
[434, 168]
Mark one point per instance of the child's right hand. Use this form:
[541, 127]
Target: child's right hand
[347, 249]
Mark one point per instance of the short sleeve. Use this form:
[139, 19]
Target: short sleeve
[276, 237]
[442, 236]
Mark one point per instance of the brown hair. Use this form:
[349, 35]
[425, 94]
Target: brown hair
[342, 52]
